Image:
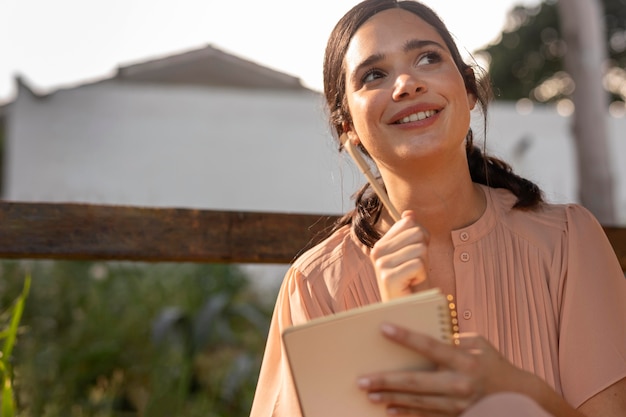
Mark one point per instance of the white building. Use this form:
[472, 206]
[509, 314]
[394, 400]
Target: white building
[205, 129]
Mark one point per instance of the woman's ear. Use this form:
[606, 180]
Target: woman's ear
[469, 78]
[471, 98]
[352, 136]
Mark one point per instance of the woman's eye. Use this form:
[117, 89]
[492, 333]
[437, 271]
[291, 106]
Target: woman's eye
[372, 75]
[429, 58]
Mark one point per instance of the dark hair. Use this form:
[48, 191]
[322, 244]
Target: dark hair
[484, 169]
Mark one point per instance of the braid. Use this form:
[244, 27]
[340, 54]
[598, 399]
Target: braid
[364, 216]
[368, 211]
[495, 173]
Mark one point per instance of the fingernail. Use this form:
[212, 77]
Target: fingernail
[375, 396]
[389, 329]
[363, 382]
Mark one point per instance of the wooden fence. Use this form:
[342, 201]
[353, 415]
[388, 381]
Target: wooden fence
[100, 232]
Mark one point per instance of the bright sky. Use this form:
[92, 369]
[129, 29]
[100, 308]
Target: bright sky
[53, 44]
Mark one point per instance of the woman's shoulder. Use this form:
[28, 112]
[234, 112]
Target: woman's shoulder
[336, 272]
[545, 220]
[338, 248]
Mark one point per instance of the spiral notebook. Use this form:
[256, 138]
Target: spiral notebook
[327, 355]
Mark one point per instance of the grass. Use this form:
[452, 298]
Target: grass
[9, 336]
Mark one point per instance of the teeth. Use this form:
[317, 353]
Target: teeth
[418, 116]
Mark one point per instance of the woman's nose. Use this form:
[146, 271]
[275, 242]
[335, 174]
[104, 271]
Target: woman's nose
[406, 86]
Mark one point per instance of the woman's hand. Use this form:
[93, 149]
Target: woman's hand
[464, 374]
[400, 258]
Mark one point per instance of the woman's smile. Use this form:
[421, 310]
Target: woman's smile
[414, 117]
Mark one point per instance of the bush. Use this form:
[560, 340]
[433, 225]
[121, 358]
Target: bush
[134, 339]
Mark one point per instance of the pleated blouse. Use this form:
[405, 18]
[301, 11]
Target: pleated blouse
[543, 286]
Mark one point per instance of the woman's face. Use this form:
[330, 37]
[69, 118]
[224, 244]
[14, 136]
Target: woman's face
[405, 94]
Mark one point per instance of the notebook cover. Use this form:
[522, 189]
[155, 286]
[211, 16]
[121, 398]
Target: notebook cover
[327, 355]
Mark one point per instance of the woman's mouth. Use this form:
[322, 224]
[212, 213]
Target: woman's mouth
[417, 116]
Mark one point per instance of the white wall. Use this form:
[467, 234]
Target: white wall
[180, 147]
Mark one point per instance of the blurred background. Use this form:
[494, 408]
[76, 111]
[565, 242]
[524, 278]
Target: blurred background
[217, 105]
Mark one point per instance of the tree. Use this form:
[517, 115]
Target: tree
[557, 51]
[528, 52]
[583, 30]
[528, 59]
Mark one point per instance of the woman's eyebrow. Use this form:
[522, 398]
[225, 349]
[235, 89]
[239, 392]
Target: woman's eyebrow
[370, 60]
[413, 44]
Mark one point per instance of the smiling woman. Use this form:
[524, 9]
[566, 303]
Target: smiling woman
[393, 64]
[533, 281]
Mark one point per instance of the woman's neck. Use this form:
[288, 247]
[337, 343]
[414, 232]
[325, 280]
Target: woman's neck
[441, 204]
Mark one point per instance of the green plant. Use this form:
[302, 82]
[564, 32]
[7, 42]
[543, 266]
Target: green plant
[9, 335]
[133, 339]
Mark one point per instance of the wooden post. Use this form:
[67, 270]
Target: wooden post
[582, 28]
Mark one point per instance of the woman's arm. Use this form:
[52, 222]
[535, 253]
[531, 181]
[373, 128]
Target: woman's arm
[609, 402]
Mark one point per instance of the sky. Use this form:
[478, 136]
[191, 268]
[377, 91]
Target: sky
[57, 44]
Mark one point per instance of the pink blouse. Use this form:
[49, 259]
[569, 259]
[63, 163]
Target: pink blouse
[544, 287]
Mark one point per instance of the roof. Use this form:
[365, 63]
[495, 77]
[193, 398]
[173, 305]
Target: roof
[211, 67]
[207, 66]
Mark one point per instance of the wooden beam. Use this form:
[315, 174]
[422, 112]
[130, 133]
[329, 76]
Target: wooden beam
[617, 236]
[96, 232]
[83, 231]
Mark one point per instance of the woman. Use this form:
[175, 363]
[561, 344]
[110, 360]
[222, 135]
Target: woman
[538, 287]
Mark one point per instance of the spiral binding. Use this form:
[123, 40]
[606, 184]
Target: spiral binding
[450, 320]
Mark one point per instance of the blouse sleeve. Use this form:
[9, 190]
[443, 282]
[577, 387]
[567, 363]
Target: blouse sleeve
[275, 394]
[592, 341]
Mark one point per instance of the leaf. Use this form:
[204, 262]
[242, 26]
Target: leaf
[211, 319]
[18, 309]
[10, 334]
[8, 404]
[239, 372]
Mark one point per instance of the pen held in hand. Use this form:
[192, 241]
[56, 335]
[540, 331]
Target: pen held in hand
[365, 169]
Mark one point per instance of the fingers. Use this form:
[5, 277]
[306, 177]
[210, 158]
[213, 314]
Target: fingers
[410, 215]
[430, 393]
[400, 257]
[399, 403]
[408, 223]
[426, 383]
[398, 273]
[463, 374]
[460, 358]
